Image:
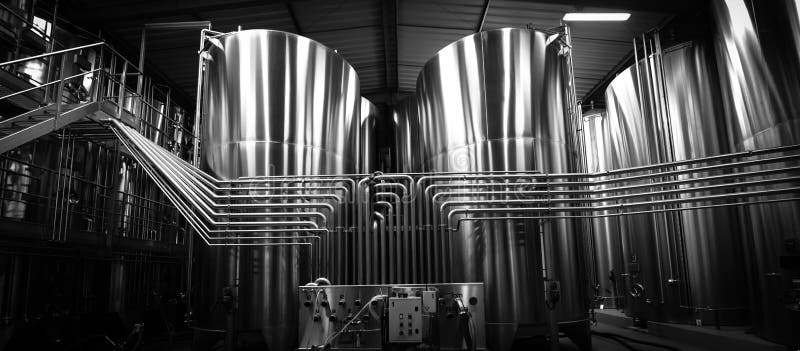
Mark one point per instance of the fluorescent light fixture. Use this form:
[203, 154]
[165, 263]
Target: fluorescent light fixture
[596, 16]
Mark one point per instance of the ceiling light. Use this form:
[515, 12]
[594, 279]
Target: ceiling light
[596, 16]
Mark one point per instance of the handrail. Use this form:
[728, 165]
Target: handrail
[8, 63]
[48, 84]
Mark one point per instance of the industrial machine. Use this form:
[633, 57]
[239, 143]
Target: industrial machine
[394, 317]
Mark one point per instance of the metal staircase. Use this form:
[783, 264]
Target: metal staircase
[94, 92]
[35, 124]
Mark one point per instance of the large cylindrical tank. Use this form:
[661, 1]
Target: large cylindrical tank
[712, 244]
[407, 143]
[275, 103]
[498, 101]
[631, 143]
[607, 270]
[680, 266]
[758, 57]
[278, 104]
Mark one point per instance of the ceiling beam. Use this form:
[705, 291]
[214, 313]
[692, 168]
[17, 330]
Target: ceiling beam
[389, 19]
[98, 13]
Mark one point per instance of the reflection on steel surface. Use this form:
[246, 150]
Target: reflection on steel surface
[607, 267]
[497, 101]
[368, 161]
[275, 104]
[691, 261]
[758, 57]
[712, 243]
[407, 136]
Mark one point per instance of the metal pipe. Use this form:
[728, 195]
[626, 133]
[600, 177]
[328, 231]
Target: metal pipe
[386, 275]
[436, 197]
[398, 245]
[627, 196]
[620, 214]
[620, 207]
[191, 214]
[182, 180]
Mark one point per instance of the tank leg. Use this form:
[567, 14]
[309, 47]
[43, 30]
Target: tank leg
[579, 333]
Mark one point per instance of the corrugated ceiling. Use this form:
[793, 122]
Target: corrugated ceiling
[380, 38]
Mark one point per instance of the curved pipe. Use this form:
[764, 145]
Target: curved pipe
[193, 197]
[164, 164]
[395, 244]
[208, 213]
[200, 227]
[381, 220]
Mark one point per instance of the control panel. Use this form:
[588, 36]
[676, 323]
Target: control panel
[405, 319]
[392, 317]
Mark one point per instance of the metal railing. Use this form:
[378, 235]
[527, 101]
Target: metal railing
[105, 78]
[108, 80]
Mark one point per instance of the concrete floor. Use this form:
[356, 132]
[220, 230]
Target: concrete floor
[677, 336]
[673, 336]
[606, 344]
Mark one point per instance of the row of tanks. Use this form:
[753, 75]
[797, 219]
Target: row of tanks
[734, 90]
[503, 101]
[280, 104]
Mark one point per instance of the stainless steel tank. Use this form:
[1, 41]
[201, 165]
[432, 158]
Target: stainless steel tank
[498, 101]
[275, 103]
[680, 267]
[368, 148]
[758, 57]
[407, 142]
[278, 104]
[710, 243]
[631, 143]
[607, 269]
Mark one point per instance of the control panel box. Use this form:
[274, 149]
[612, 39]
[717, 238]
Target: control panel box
[429, 301]
[405, 319]
[356, 317]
